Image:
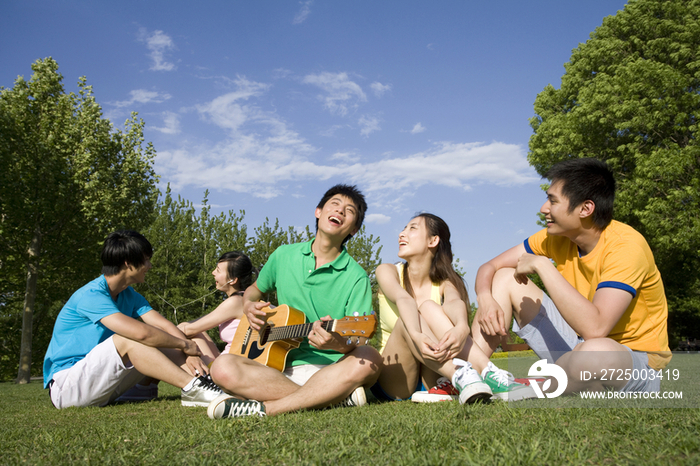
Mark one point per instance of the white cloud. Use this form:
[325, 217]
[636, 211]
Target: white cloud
[172, 123]
[303, 13]
[341, 92]
[281, 73]
[379, 88]
[227, 111]
[158, 43]
[379, 219]
[369, 125]
[142, 96]
[418, 128]
[456, 165]
[268, 151]
[347, 157]
[282, 156]
[330, 132]
[259, 145]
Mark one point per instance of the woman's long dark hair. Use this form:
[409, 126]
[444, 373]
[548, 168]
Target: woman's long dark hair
[239, 266]
[441, 267]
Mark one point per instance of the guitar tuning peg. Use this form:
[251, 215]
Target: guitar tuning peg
[349, 342]
[355, 313]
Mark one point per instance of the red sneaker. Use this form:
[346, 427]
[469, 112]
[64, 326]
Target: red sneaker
[443, 391]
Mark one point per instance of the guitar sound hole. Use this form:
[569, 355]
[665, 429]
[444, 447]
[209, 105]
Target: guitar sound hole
[264, 335]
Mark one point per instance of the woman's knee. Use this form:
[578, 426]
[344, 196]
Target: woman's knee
[430, 307]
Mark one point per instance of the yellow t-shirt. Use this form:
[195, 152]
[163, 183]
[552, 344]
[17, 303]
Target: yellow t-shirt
[622, 259]
[389, 314]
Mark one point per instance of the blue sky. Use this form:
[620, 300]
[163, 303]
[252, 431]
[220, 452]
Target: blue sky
[423, 105]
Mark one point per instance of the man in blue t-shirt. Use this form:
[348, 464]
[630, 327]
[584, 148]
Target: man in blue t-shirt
[100, 349]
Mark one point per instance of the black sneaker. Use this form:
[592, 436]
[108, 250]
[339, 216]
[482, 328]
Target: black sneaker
[226, 405]
[356, 398]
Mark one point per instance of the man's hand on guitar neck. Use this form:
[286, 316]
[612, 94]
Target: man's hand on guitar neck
[321, 339]
[252, 310]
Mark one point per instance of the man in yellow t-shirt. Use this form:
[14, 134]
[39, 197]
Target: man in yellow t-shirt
[605, 312]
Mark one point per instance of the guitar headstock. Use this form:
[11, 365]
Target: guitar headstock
[359, 341]
[358, 329]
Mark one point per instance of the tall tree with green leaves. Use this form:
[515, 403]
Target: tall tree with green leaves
[187, 241]
[630, 96]
[67, 178]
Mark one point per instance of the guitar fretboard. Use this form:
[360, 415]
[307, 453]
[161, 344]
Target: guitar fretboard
[295, 331]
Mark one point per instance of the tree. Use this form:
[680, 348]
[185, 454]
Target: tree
[186, 246]
[630, 97]
[67, 178]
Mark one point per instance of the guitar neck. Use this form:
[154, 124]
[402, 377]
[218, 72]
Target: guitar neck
[296, 331]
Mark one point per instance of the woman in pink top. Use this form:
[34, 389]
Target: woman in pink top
[233, 274]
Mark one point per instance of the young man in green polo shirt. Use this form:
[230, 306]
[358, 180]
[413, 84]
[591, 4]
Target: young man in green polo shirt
[320, 279]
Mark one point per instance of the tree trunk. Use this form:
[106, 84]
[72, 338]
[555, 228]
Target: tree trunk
[25, 354]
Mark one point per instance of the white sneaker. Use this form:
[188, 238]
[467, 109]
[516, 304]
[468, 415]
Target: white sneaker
[469, 383]
[356, 398]
[504, 386]
[202, 392]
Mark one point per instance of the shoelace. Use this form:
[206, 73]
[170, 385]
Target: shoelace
[446, 386]
[443, 385]
[246, 408]
[208, 384]
[503, 377]
[459, 363]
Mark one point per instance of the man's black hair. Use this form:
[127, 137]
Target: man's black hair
[587, 179]
[124, 247]
[353, 194]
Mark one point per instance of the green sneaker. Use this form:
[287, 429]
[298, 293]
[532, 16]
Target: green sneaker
[504, 386]
[469, 384]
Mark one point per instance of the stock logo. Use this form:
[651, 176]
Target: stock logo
[544, 369]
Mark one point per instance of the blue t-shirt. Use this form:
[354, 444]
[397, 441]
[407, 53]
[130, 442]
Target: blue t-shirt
[78, 328]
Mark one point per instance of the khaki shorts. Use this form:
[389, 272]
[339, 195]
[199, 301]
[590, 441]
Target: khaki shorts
[301, 374]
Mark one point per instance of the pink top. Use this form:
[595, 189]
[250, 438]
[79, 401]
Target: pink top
[226, 332]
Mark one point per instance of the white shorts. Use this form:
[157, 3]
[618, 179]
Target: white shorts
[550, 337]
[301, 374]
[96, 380]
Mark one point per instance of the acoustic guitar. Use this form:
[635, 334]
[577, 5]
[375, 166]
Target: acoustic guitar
[283, 329]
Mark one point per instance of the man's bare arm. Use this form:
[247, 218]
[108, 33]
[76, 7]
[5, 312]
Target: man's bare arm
[589, 319]
[489, 315]
[147, 334]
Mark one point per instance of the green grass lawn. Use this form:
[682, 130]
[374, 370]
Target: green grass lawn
[543, 432]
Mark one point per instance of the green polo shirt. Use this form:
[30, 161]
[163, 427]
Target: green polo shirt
[338, 289]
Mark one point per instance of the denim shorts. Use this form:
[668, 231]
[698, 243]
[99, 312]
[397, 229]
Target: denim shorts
[550, 337]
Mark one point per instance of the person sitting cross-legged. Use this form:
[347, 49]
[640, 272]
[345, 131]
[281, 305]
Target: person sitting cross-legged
[107, 338]
[320, 279]
[605, 311]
